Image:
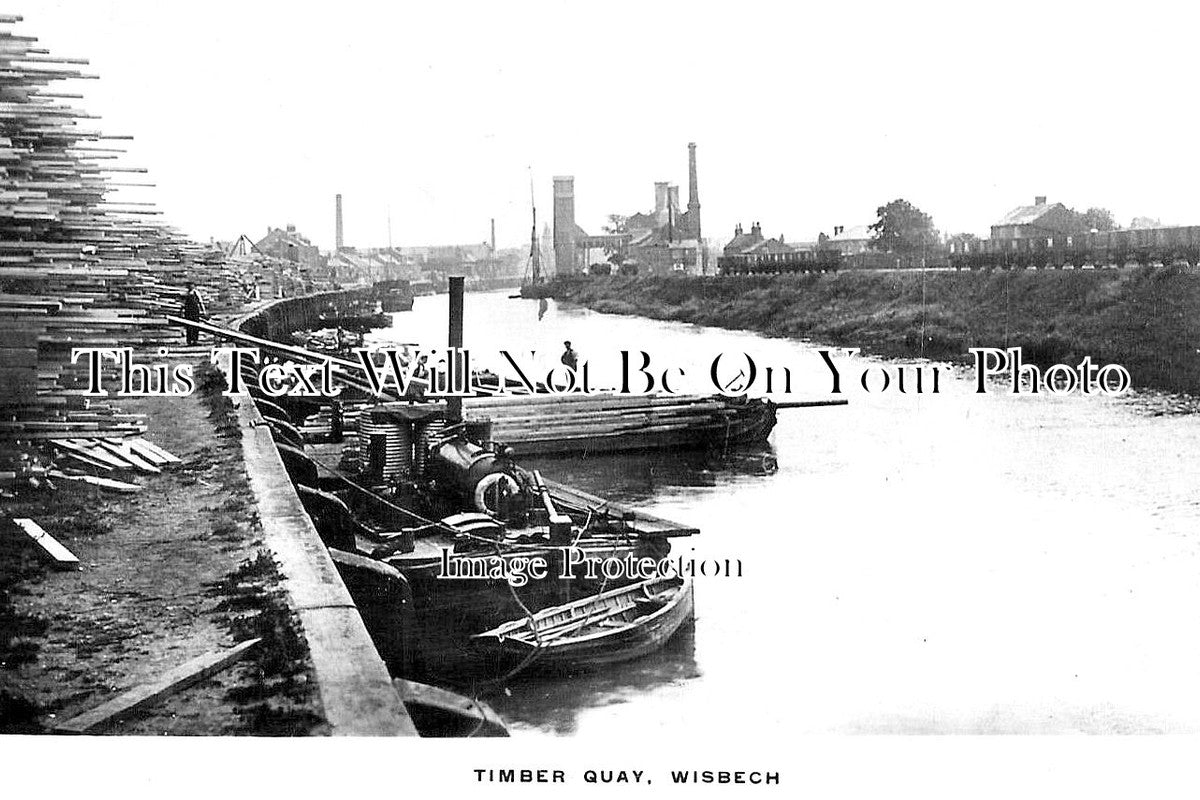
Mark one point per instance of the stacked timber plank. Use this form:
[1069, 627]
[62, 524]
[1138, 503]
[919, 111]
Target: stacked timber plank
[108, 453]
[75, 270]
[543, 424]
[79, 267]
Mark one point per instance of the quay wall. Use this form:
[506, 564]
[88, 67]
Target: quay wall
[353, 683]
[1145, 318]
[279, 318]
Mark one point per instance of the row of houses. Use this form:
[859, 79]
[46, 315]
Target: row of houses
[350, 265]
[1040, 219]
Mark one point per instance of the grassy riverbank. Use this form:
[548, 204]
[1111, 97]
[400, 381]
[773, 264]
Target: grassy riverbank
[1147, 319]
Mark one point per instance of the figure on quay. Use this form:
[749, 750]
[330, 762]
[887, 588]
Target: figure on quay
[194, 310]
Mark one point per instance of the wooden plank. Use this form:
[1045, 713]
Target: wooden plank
[137, 446]
[61, 557]
[94, 453]
[88, 462]
[146, 444]
[103, 483]
[127, 453]
[172, 681]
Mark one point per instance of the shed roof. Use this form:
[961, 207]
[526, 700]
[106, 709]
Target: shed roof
[1028, 215]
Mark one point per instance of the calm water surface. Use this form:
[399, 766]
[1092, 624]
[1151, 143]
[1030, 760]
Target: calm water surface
[917, 564]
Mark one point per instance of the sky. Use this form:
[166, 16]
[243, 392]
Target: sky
[256, 113]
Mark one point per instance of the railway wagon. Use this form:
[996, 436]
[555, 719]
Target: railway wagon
[1100, 249]
[779, 263]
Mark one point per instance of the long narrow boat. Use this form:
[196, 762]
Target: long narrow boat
[617, 625]
[540, 425]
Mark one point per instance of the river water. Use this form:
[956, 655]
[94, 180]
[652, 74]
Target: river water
[918, 563]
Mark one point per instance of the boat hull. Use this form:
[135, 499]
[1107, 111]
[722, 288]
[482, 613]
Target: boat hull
[593, 650]
[565, 431]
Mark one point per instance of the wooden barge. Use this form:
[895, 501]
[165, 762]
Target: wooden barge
[542, 425]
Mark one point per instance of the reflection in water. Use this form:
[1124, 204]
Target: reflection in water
[633, 477]
[553, 704]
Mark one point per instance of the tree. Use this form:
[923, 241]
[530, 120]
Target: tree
[903, 228]
[1100, 219]
[617, 223]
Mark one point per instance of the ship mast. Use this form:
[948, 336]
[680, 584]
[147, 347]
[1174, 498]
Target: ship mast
[535, 253]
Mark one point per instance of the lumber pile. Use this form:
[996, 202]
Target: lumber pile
[81, 265]
[525, 419]
[108, 453]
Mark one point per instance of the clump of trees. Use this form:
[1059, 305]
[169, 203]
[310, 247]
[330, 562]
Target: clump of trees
[617, 223]
[1096, 219]
[903, 228]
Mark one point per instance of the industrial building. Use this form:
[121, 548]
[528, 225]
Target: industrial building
[666, 239]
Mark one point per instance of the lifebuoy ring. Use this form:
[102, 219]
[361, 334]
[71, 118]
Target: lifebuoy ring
[490, 481]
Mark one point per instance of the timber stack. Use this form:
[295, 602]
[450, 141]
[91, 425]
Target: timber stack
[549, 424]
[78, 266]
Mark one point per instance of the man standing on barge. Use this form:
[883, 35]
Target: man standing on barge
[570, 357]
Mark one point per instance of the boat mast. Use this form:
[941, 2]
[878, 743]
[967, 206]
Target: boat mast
[535, 253]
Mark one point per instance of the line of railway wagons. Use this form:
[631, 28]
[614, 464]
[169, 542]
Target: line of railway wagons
[821, 260]
[1099, 249]
[1053, 251]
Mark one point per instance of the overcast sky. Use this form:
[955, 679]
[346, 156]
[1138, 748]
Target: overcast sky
[255, 113]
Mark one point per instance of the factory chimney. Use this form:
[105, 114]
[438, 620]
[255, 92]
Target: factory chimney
[660, 201]
[493, 236]
[693, 192]
[564, 225]
[337, 222]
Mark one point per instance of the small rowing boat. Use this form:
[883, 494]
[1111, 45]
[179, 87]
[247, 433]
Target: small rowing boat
[616, 625]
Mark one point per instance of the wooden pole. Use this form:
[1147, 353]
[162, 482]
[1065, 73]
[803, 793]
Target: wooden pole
[454, 404]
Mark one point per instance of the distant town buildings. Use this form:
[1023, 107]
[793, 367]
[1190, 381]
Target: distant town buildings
[351, 266]
[289, 245]
[483, 264]
[754, 242]
[849, 241]
[1038, 220]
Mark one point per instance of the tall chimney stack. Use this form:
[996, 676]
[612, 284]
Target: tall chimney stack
[693, 192]
[493, 236]
[564, 224]
[660, 200]
[338, 242]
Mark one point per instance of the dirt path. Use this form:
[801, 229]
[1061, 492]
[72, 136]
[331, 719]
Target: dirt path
[170, 573]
